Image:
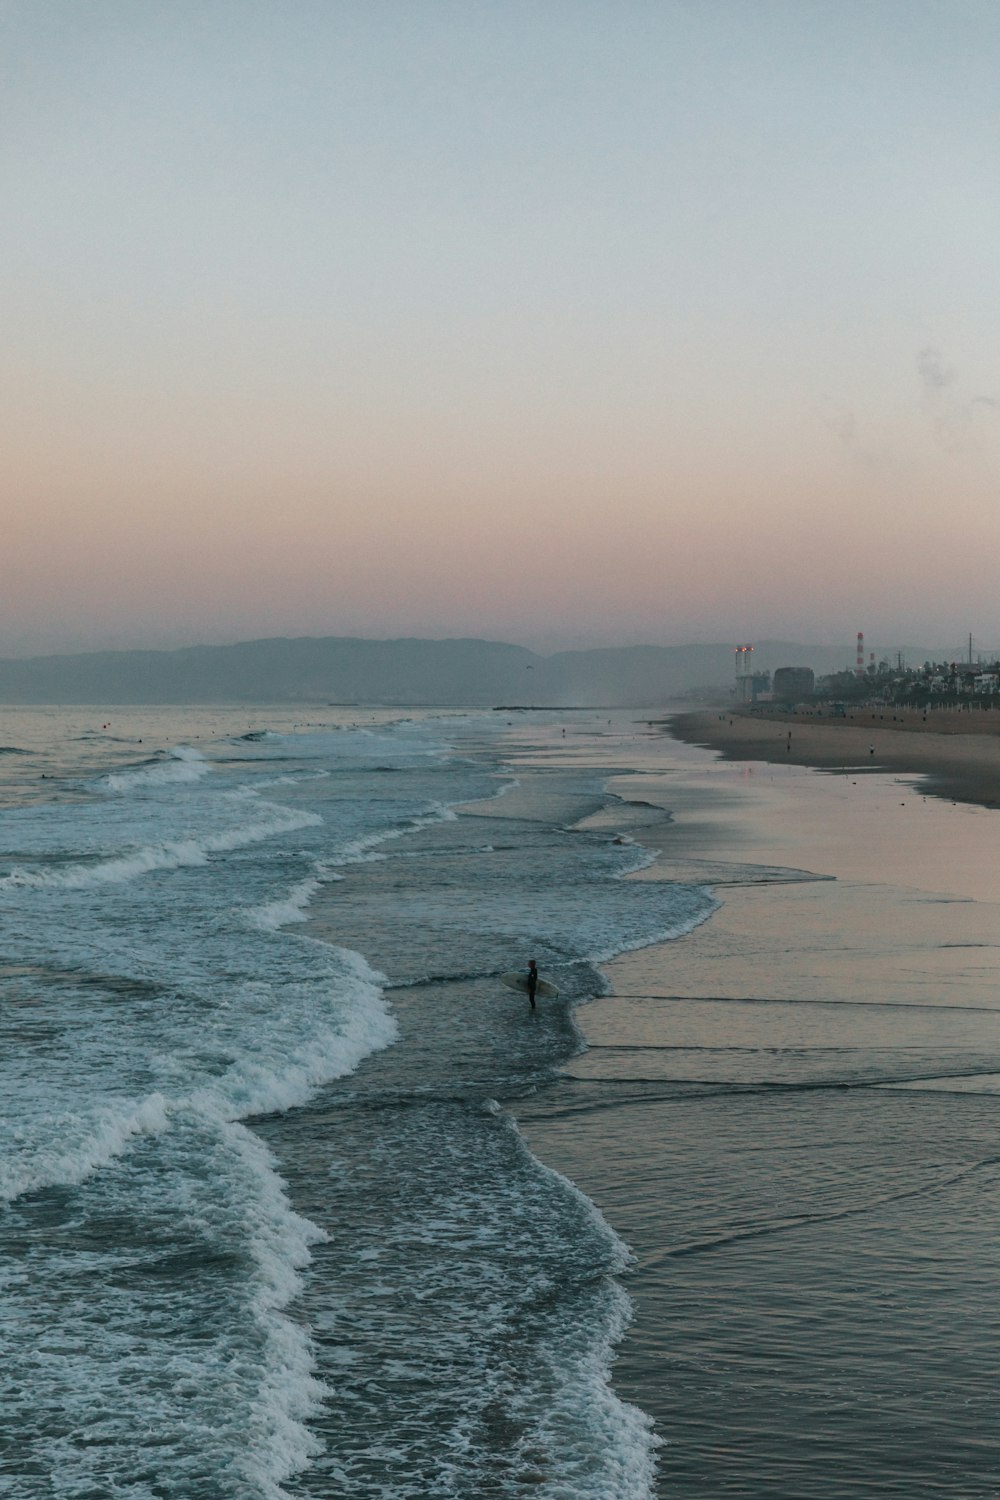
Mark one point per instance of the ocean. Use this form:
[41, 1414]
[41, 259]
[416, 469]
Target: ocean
[268, 1228]
[300, 1200]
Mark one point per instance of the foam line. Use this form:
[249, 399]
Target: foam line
[362, 850]
[254, 1083]
[170, 855]
[113, 1133]
[185, 764]
[287, 1393]
[274, 915]
[621, 1460]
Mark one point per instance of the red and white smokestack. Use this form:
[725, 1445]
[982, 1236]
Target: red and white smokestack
[859, 669]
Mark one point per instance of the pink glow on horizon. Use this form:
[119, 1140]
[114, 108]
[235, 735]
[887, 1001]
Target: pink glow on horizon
[532, 344]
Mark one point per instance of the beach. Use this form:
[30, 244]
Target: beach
[789, 1113]
[301, 1199]
[956, 752]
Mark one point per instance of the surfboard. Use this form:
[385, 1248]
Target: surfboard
[516, 979]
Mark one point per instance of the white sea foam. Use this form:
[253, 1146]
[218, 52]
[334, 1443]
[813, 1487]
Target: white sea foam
[271, 1070]
[170, 855]
[278, 1443]
[291, 908]
[75, 1148]
[699, 903]
[602, 1447]
[641, 857]
[231, 1017]
[484, 1289]
[617, 1459]
[362, 850]
[259, 1084]
[184, 764]
[614, 1454]
[226, 1382]
[291, 779]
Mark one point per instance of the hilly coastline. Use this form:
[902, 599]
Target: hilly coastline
[408, 672]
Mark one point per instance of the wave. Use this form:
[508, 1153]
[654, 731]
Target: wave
[287, 1392]
[256, 1082]
[259, 1031]
[361, 850]
[606, 1446]
[109, 1135]
[185, 764]
[209, 1192]
[170, 855]
[273, 915]
[256, 1085]
[262, 1413]
[618, 1459]
[702, 907]
[481, 1300]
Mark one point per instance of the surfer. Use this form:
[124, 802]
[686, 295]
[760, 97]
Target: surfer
[529, 982]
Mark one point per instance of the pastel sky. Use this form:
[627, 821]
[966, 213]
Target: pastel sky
[556, 321]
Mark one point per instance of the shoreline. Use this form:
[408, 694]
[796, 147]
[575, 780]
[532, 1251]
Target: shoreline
[759, 1113]
[956, 755]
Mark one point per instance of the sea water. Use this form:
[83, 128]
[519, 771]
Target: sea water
[268, 1228]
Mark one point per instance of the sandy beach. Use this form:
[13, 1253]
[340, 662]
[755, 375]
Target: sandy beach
[789, 1114]
[956, 752]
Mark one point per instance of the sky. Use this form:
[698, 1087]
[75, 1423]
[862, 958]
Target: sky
[567, 323]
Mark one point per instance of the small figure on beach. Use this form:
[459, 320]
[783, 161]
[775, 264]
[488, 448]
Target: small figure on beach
[532, 981]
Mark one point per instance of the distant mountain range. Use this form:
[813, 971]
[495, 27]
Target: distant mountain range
[341, 669]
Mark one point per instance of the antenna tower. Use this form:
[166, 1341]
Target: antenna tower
[744, 671]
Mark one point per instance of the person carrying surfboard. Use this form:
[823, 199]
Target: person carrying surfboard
[529, 982]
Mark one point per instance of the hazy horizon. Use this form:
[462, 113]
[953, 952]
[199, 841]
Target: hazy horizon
[566, 324]
[913, 652]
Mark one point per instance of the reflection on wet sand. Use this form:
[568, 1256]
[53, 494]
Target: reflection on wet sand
[788, 1114]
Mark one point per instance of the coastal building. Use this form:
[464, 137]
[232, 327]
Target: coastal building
[751, 686]
[754, 687]
[793, 683]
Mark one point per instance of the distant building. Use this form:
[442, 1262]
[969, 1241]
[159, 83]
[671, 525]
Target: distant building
[752, 687]
[791, 684]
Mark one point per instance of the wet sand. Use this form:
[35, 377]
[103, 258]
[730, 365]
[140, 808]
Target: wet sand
[957, 753]
[790, 1114]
